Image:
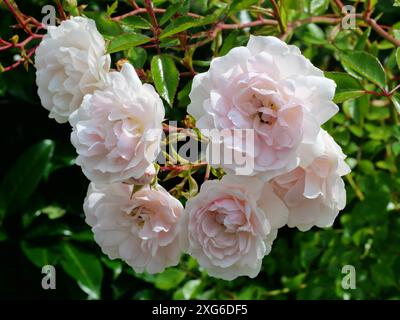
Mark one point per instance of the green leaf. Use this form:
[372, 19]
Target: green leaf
[212, 17]
[137, 57]
[169, 279]
[357, 131]
[64, 156]
[396, 148]
[53, 212]
[398, 57]
[199, 6]
[184, 7]
[169, 13]
[189, 289]
[82, 236]
[317, 7]
[361, 42]
[3, 234]
[347, 87]
[40, 256]
[366, 166]
[24, 176]
[396, 101]
[84, 268]
[111, 9]
[106, 26]
[193, 188]
[252, 292]
[366, 65]
[165, 76]
[382, 273]
[314, 34]
[295, 282]
[136, 22]
[126, 41]
[178, 25]
[238, 5]
[183, 96]
[229, 42]
[114, 265]
[56, 229]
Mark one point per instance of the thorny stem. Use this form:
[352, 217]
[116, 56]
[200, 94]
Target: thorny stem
[154, 22]
[17, 14]
[355, 187]
[394, 90]
[374, 25]
[61, 10]
[339, 4]
[183, 167]
[260, 22]
[278, 16]
[16, 64]
[207, 174]
[139, 10]
[134, 4]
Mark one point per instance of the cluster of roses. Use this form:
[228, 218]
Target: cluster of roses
[268, 87]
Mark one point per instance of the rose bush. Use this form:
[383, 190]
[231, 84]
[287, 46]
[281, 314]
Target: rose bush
[239, 66]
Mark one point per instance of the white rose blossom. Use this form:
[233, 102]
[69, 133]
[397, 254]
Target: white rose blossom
[70, 62]
[314, 192]
[267, 86]
[141, 229]
[117, 130]
[229, 229]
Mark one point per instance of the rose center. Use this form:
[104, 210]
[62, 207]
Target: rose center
[266, 110]
[139, 215]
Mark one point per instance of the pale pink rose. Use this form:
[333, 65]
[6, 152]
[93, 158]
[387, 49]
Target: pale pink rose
[267, 86]
[146, 178]
[142, 230]
[315, 192]
[227, 230]
[117, 131]
[70, 62]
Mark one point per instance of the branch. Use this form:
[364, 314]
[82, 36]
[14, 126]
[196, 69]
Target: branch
[139, 10]
[374, 25]
[339, 4]
[182, 167]
[154, 23]
[16, 64]
[61, 10]
[260, 22]
[278, 16]
[17, 14]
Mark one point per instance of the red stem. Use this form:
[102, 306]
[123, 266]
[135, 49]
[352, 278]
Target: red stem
[17, 15]
[182, 167]
[278, 16]
[374, 25]
[61, 10]
[16, 64]
[260, 22]
[154, 23]
[139, 10]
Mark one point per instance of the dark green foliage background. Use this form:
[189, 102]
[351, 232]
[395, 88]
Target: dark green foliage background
[41, 218]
